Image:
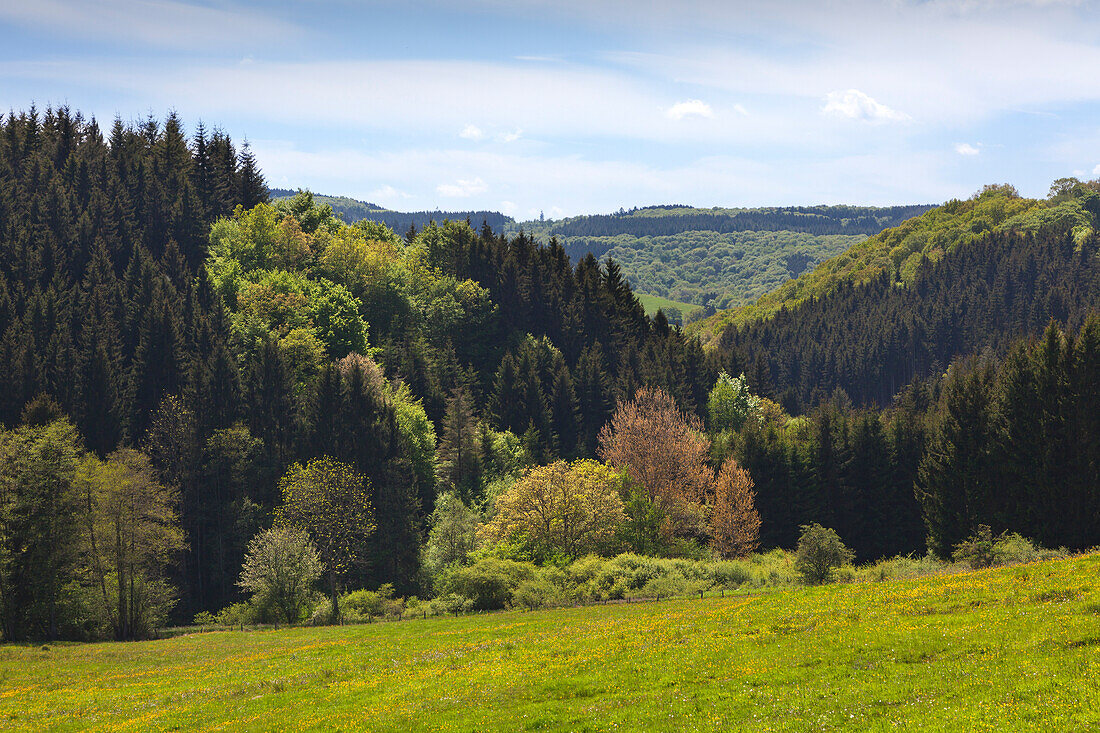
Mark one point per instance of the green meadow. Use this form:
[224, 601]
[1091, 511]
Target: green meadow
[654, 303]
[1013, 648]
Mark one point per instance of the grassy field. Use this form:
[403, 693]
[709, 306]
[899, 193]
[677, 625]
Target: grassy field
[653, 303]
[1015, 648]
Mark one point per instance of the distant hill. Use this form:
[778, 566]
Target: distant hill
[899, 252]
[668, 220]
[351, 210]
[720, 257]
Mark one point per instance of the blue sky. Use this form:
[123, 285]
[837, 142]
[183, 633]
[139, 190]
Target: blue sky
[571, 107]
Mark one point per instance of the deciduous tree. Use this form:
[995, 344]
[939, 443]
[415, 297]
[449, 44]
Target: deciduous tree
[562, 510]
[734, 521]
[280, 569]
[331, 502]
[665, 452]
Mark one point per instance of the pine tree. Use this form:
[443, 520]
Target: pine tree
[253, 187]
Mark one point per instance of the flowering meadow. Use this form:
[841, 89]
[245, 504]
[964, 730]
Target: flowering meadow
[1011, 648]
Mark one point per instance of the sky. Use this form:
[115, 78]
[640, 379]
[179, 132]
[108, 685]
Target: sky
[566, 107]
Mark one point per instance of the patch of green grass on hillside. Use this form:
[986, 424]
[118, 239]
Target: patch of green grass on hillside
[1015, 648]
[653, 303]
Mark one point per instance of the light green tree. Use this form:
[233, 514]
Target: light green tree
[330, 501]
[562, 510]
[819, 553]
[730, 403]
[279, 570]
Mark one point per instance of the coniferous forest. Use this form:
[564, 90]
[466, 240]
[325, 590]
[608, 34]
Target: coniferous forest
[187, 367]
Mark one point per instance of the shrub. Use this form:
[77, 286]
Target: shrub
[279, 570]
[363, 605]
[538, 593]
[238, 614]
[452, 603]
[820, 553]
[489, 582]
[730, 574]
[983, 550]
[977, 550]
[1011, 547]
[205, 618]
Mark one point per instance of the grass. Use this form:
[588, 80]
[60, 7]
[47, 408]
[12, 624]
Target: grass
[1014, 648]
[652, 303]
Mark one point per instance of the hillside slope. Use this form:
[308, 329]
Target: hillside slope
[898, 253]
[1006, 649]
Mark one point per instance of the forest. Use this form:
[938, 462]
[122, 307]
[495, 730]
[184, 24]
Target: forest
[196, 377]
[712, 269]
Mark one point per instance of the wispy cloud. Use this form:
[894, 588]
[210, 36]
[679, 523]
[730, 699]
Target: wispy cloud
[387, 193]
[471, 132]
[967, 149]
[854, 104]
[689, 108]
[463, 188]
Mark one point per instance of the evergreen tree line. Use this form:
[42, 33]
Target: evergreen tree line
[104, 304]
[872, 340]
[1011, 444]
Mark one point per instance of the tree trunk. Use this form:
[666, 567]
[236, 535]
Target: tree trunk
[335, 599]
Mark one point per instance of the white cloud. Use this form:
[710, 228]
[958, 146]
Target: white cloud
[508, 207]
[510, 137]
[464, 188]
[856, 105]
[967, 149]
[689, 108]
[740, 109]
[471, 132]
[386, 193]
[1096, 170]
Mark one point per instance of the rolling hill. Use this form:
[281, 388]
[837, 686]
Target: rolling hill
[899, 252]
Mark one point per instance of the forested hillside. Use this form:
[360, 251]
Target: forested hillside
[194, 379]
[898, 253]
[717, 258]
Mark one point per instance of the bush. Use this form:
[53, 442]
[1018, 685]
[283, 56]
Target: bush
[820, 553]
[450, 604]
[489, 583]
[363, 605]
[539, 593]
[1011, 547]
[983, 550]
[902, 566]
[322, 612]
[977, 550]
[205, 618]
[238, 614]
